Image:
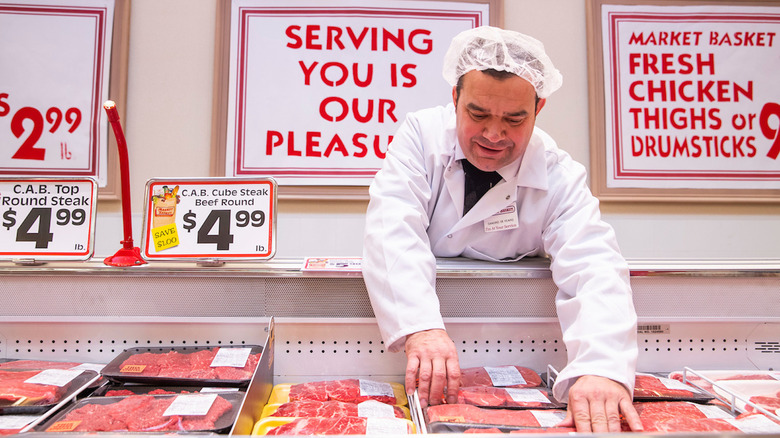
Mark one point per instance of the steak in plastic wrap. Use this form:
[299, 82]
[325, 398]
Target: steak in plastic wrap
[468, 414]
[652, 387]
[334, 408]
[343, 426]
[665, 416]
[717, 376]
[138, 413]
[754, 424]
[487, 396]
[768, 402]
[344, 390]
[505, 376]
[177, 365]
[14, 389]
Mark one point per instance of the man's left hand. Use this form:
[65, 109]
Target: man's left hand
[595, 405]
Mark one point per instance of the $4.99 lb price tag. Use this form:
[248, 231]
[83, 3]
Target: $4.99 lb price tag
[47, 219]
[215, 218]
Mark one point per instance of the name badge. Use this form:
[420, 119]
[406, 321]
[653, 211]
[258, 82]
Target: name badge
[506, 219]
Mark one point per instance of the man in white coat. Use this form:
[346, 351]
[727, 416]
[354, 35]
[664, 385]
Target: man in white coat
[451, 175]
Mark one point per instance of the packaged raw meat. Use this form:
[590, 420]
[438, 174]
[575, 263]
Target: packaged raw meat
[506, 376]
[750, 395]
[333, 426]
[344, 390]
[469, 415]
[334, 408]
[487, 396]
[700, 377]
[655, 415]
[648, 387]
[36, 391]
[189, 366]
[147, 413]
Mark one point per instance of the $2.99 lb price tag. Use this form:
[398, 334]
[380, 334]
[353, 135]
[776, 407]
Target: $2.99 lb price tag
[47, 219]
[215, 218]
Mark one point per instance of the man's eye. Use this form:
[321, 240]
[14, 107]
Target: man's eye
[478, 116]
[515, 121]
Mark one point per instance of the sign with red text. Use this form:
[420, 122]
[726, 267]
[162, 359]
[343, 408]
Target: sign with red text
[317, 89]
[209, 219]
[56, 64]
[47, 218]
[692, 97]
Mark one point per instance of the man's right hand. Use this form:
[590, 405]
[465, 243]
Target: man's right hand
[432, 366]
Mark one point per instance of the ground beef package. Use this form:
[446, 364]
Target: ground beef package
[185, 366]
[149, 413]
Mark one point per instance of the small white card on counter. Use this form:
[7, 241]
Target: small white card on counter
[54, 377]
[505, 376]
[506, 219]
[231, 357]
[386, 426]
[375, 409]
[370, 387]
[193, 404]
[527, 395]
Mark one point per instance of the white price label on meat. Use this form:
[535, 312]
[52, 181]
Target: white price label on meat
[47, 219]
[215, 218]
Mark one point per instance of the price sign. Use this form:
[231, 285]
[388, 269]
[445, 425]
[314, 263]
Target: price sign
[47, 219]
[51, 99]
[215, 218]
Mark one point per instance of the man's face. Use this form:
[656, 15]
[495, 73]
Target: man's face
[495, 118]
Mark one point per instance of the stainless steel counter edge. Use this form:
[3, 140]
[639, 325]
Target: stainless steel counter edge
[446, 268]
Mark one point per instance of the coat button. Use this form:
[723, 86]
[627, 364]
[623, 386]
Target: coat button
[507, 197]
[449, 236]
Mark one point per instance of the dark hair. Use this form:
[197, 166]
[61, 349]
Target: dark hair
[493, 73]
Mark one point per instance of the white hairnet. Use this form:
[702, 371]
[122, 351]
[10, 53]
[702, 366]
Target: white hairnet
[489, 47]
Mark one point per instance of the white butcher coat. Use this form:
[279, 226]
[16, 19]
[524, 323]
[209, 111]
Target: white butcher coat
[414, 215]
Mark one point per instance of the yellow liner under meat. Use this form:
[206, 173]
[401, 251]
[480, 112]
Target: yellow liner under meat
[281, 394]
[270, 409]
[265, 424]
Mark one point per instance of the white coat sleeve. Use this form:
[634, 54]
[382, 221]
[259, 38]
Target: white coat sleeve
[398, 266]
[594, 300]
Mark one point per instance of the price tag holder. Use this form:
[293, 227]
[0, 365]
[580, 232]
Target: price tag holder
[211, 219]
[47, 218]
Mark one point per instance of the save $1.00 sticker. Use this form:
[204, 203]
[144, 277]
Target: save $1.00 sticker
[215, 218]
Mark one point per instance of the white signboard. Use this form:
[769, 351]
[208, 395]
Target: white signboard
[317, 89]
[54, 79]
[210, 219]
[692, 98]
[47, 219]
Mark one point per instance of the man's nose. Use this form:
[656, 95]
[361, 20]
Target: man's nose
[493, 130]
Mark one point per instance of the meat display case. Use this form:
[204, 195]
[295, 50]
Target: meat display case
[707, 315]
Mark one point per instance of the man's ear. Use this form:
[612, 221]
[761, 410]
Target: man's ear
[540, 105]
[455, 95]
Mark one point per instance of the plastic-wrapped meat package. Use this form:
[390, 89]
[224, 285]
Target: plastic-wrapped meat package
[147, 413]
[649, 387]
[493, 397]
[343, 426]
[469, 414]
[334, 408]
[511, 376]
[344, 390]
[664, 416]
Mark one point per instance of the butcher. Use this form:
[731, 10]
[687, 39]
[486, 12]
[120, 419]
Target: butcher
[476, 178]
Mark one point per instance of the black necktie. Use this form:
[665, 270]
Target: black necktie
[478, 182]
